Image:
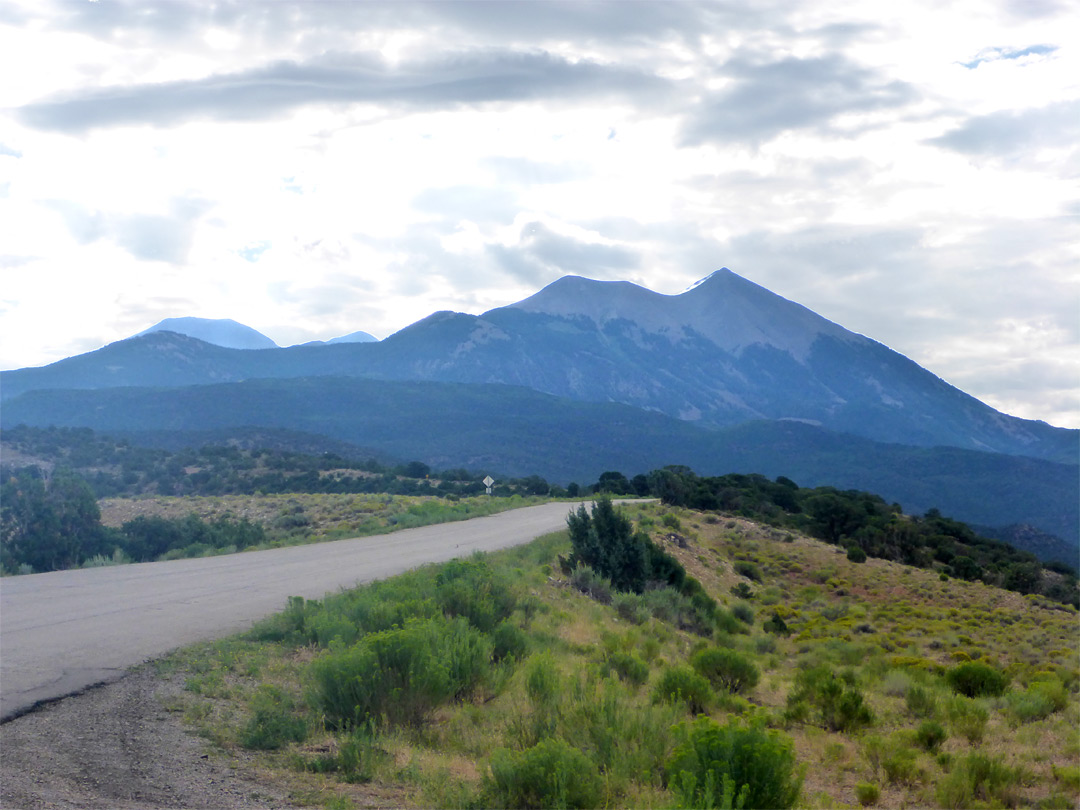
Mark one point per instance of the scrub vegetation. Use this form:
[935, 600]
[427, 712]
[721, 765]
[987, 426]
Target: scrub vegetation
[655, 656]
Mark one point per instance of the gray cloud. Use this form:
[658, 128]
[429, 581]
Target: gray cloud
[445, 82]
[542, 255]
[137, 313]
[968, 312]
[1012, 133]
[1034, 9]
[769, 98]
[605, 20]
[84, 225]
[153, 238]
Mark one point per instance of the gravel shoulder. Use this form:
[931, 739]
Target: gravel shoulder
[119, 747]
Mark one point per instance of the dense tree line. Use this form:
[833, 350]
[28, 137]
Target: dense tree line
[49, 524]
[114, 467]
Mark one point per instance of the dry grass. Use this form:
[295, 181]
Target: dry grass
[888, 624]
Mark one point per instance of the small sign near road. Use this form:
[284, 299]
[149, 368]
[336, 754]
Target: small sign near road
[488, 481]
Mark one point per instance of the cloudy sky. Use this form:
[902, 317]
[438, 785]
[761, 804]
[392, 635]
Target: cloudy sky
[908, 170]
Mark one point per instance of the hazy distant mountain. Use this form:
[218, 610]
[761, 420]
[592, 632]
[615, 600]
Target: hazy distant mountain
[354, 337]
[220, 332]
[724, 352]
[514, 431]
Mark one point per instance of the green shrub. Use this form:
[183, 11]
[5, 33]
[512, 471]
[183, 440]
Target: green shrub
[1068, 775]
[930, 735]
[765, 644]
[628, 667]
[867, 793]
[726, 669]
[856, 554]
[978, 777]
[748, 570]
[682, 684]
[743, 612]
[777, 626]
[836, 701]
[542, 681]
[551, 774]
[400, 676]
[696, 613]
[605, 541]
[976, 679]
[727, 622]
[509, 641]
[592, 584]
[921, 701]
[734, 765]
[273, 722]
[1053, 690]
[1029, 705]
[358, 755]
[900, 766]
[742, 590]
[631, 607]
[471, 588]
[967, 717]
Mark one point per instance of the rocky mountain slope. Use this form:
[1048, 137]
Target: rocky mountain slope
[725, 352]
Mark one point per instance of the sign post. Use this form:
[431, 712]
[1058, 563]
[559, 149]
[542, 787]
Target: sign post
[488, 481]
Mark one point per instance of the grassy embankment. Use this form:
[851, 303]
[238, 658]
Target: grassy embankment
[866, 676]
[300, 518]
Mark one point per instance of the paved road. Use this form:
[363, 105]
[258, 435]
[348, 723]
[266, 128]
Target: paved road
[64, 631]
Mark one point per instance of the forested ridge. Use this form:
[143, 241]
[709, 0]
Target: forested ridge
[51, 519]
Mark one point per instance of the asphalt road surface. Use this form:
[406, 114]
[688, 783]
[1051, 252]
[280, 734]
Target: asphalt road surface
[65, 631]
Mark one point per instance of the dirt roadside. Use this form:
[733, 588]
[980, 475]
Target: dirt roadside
[117, 747]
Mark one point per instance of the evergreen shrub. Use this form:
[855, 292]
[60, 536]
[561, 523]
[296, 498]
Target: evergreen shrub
[976, 679]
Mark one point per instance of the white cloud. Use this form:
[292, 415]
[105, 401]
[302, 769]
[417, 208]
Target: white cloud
[313, 169]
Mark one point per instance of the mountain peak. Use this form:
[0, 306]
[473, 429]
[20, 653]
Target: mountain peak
[720, 274]
[723, 307]
[219, 332]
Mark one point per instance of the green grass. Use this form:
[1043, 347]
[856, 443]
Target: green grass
[859, 688]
